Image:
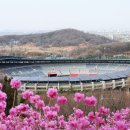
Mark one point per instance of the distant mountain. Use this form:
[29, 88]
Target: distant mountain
[58, 38]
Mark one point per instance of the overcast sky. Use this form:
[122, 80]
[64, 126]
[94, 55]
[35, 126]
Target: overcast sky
[87, 15]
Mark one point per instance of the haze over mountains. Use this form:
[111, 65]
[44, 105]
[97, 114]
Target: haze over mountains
[63, 37]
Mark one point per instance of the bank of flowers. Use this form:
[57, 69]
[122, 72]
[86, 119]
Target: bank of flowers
[34, 114]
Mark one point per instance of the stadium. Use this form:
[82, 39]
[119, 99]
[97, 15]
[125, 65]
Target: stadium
[71, 76]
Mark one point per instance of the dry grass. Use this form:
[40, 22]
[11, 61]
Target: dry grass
[31, 49]
[21, 49]
[114, 99]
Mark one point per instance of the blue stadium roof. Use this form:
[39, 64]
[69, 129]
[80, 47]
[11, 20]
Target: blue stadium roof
[98, 77]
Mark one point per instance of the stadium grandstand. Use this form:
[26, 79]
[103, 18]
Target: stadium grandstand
[66, 76]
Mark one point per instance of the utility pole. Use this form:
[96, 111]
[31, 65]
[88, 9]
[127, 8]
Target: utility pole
[11, 47]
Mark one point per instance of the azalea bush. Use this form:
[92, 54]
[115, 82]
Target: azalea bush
[35, 114]
[114, 99]
[10, 94]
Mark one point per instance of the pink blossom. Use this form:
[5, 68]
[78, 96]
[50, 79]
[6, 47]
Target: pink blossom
[26, 128]
[27, 94]
[90, 101]
[61, 117]
[15, 84]
[51, 125]
[104, 111]
[91, 116]
[42, 124]
[56, 108]
[38, 115]
[39, 104]
[84, 123]
[78, 97]
[46, 109]
[99, 121]
[79, 113]
[35, 114]
[2, 106]
[73, 124]
[121, 125]
[1, 86]
[3, 96]
[52, 93]
[62, 100]
[62, 124]
[22, 108]
[117, 116]
[13, 111]
[34, 99]
[51, 115]
[3, 126]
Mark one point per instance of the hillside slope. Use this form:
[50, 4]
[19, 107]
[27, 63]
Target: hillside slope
[62, 37]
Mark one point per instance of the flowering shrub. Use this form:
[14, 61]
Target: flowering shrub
[36, 115]
[15, 84]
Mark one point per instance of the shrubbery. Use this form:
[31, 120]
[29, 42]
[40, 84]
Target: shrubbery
[35, 114]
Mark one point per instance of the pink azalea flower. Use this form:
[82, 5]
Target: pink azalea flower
[62, 100]
[15, 84]
[121, 125]
[22, 107]
[56, 108]
[42, 124]
[2, 106]
[91, 116]
[34, 99]
[1, 86]
[62, 124]
[51, 125]
[13, 111]
[99, 121]
[73, 125]
[52, 93]
[104, 111]
[46, 109]
[27, 94]
[3, 96]
[39, 104]
[84, 123]
[3, 126]
[79, 113]
[51, 115]
[117, 116]
[90, 101]
[78, 97]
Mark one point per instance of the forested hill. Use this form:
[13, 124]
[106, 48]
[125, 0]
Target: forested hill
[62, 37]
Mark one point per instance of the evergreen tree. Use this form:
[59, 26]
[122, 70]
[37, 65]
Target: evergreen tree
[10, 94]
